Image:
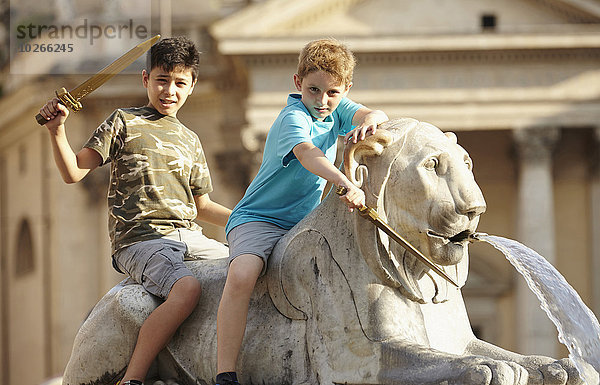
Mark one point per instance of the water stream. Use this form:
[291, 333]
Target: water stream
[578, 328]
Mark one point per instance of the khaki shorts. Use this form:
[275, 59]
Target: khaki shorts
[198, 245]
[256, 238]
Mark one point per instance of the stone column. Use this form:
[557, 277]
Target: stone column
[595, 225]
[535, 332]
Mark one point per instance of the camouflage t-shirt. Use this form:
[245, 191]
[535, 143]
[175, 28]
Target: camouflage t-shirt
[157, 167]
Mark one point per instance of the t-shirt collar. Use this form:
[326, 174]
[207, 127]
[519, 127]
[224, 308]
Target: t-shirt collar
[154, 111]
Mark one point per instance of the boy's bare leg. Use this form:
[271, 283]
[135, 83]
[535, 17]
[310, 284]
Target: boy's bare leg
[233, 309]
[160, 326]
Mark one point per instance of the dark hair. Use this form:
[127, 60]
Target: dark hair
[174, 52]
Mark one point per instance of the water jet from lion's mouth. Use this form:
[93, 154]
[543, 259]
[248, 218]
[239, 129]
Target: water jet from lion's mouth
[578, 328]
[463, 235]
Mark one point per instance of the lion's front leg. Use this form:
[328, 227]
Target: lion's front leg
[542, 369]
[403, 362]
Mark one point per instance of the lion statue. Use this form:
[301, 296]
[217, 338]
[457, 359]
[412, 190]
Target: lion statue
[341, 303]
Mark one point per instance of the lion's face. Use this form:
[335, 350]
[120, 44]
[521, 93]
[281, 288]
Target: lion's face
[431, 196]
[421, 182]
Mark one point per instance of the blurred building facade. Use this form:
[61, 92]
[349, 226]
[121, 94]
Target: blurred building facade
[517, 80]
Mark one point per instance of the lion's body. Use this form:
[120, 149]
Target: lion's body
[340, 303]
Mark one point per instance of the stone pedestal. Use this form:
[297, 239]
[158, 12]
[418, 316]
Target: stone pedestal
[535, 332]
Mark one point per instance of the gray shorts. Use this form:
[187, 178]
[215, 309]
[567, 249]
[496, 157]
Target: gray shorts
[158, 263]
[256, 238]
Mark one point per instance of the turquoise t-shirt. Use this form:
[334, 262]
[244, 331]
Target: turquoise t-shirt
[283, 192]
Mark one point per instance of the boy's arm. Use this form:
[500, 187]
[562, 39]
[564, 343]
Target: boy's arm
[365, 120]
[211, 212]
[73, 167]
[315, 161]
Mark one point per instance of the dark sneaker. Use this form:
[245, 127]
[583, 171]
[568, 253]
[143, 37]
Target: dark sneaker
[228, 378]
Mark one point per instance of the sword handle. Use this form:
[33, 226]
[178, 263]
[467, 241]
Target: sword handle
[64, 98]
[341, 190]
[365, 211]
[40, 119]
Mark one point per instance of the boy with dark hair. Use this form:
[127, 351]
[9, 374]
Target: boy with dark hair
[297, 162]
[159, 184]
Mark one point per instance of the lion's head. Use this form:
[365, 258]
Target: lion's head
[421, 182]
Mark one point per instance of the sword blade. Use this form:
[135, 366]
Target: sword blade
[372, 216]
[112, 69]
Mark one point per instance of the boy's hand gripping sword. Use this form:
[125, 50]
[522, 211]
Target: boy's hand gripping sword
[72, 98]
[372, 216]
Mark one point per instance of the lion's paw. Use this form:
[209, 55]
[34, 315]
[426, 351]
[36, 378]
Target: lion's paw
[492, 372]
[561, 372]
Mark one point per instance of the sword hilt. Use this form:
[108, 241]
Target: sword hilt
[365, 211]
[341, 190]
[65, 99]
[40, 119]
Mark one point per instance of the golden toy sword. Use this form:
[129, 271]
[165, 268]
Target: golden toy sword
[372, 215]
[71, 98]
